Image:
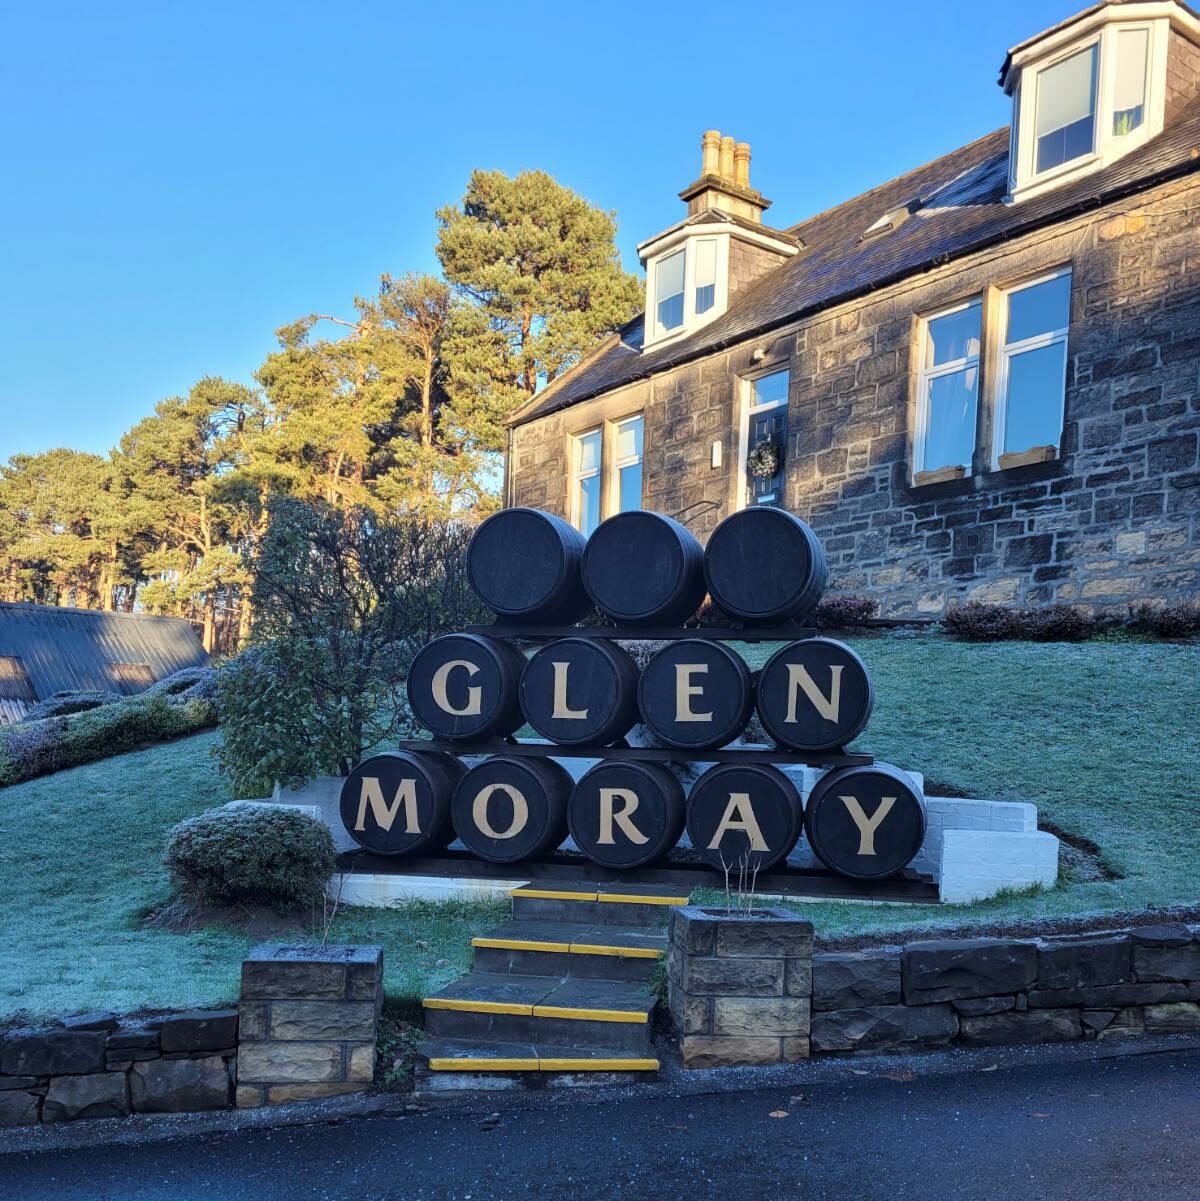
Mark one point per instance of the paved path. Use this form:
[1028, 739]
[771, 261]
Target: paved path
[1101, 1130]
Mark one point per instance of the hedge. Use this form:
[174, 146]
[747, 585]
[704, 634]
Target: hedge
[37, 748]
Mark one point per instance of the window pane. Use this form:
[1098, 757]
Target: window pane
[1036, 379]
[668, 284]
[952, 337]
[629, 487]
[950, 422]
[769, 388]
[1039, 310]
[1066, 109]
[589, 452]
[1129, 94]
[629, 439]
[706, 275]
[589, 504]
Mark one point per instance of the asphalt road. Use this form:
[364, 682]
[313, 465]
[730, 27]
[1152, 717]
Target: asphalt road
[1101, 1130]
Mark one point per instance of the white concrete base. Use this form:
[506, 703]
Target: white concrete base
[977, 864]
[379, 891]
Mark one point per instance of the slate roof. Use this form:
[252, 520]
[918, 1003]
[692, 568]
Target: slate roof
[68, 649]
[961, 211]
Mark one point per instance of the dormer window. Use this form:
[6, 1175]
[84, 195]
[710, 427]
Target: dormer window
[1090, 90]
[706, 274]
[668, 275]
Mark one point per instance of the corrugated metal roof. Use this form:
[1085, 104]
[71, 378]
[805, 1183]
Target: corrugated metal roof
[958, 209]
[68, 649]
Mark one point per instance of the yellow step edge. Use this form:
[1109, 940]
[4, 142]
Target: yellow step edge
[589, 1015]
[482, 1064]
[587, 948]
[598, 1065]
[465, 1006]
[520, 944]
[550, 894]
[622, 898]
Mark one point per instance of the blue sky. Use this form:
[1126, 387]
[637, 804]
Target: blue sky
[182, 179]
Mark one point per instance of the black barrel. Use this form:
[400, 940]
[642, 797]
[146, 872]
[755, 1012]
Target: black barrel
[744, 817]
[626, 814]
[644, 569]
[580, 692]
[466, 686]
[814, 695]
[865, 822]
[524, 565]
[695, 694]
[398, 802]
[765, 565]
[508, 809]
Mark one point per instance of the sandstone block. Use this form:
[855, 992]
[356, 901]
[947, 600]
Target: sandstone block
[20, 1107]
[102, 1020]
[1071, 963]
[692, 1015]
[253, 1021]
[855, 979]
[776, 936]
[1031, 1026]
[1162, 934]
[978, 1006]
[1177, 1016]
[1167, 962]
[290, 1062]
[798, 977]
[180, 1085]
[99, 1095]
[796, 1049]
[945, 969]
[759, 1016]
[883, 1027]
[54, 1053]
[360, 1064]
[200, 1030]
[693, 931]
[278, 1094]
[733, 977]
[313, 1021]
[706, 1051]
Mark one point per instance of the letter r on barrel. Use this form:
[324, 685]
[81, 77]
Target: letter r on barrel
[383, 813]
[623, 817]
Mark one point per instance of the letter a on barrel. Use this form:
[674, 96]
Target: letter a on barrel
[580, 692]
[466, 686]
[626, 814]
[865, 822]
[814, 695]
[696, 694]
[506, 809]
[744, 817]
[398, 802]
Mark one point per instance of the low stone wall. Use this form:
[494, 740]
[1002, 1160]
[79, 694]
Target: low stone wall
[96, 1067]
[744, 990]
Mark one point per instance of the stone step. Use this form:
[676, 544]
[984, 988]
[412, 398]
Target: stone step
[570, 949]
[613, 1015]
[598, 904]
[445, 1065]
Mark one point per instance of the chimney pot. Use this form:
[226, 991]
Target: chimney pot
[741, 164]
[726, 171]
[710, 145]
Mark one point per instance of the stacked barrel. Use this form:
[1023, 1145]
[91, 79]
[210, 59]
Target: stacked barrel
[647, 575]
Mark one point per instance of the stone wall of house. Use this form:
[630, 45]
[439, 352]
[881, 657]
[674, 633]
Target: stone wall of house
[1183, 73]
[1114, 520]
[748, 262]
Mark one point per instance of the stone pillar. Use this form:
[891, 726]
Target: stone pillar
[739, 987]
[309, 1019]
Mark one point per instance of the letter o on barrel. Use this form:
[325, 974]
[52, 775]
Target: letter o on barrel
[466, 686]
[644, 569]
[814, 695]
[765, 565]
[744, 817]
[865, 822]
[398, 802]
[696, 694]
[580, 692]
[525, 565]
[508, 808]
[626, 814]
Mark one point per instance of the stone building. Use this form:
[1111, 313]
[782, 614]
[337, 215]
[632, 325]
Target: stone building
[980, 380]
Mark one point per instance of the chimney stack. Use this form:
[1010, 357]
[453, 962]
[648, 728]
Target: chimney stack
[724, 183]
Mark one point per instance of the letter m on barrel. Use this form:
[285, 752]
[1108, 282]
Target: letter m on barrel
[384, 811]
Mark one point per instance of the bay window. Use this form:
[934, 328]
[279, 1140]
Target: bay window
[1129, 95]
[1066, 110]
[706, 275]
[668, 288]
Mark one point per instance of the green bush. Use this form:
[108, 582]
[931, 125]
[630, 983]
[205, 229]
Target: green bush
[1166, 621]
[977, 622]
[840, 612]
[37, 748]
[1055, 623]
[62, 704]
[251, 855]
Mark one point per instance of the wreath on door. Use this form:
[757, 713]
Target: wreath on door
[763, 459]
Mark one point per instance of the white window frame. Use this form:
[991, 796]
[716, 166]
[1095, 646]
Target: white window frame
[614, 478]
[656, 334]
[925, 375]
[577, 476]
[750, 409]
[1006, 351]
[1102, 31]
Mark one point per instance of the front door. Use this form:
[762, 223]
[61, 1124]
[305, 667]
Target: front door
[767, 440]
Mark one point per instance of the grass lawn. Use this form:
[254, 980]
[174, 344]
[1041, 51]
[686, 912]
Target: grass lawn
[1104, 737]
